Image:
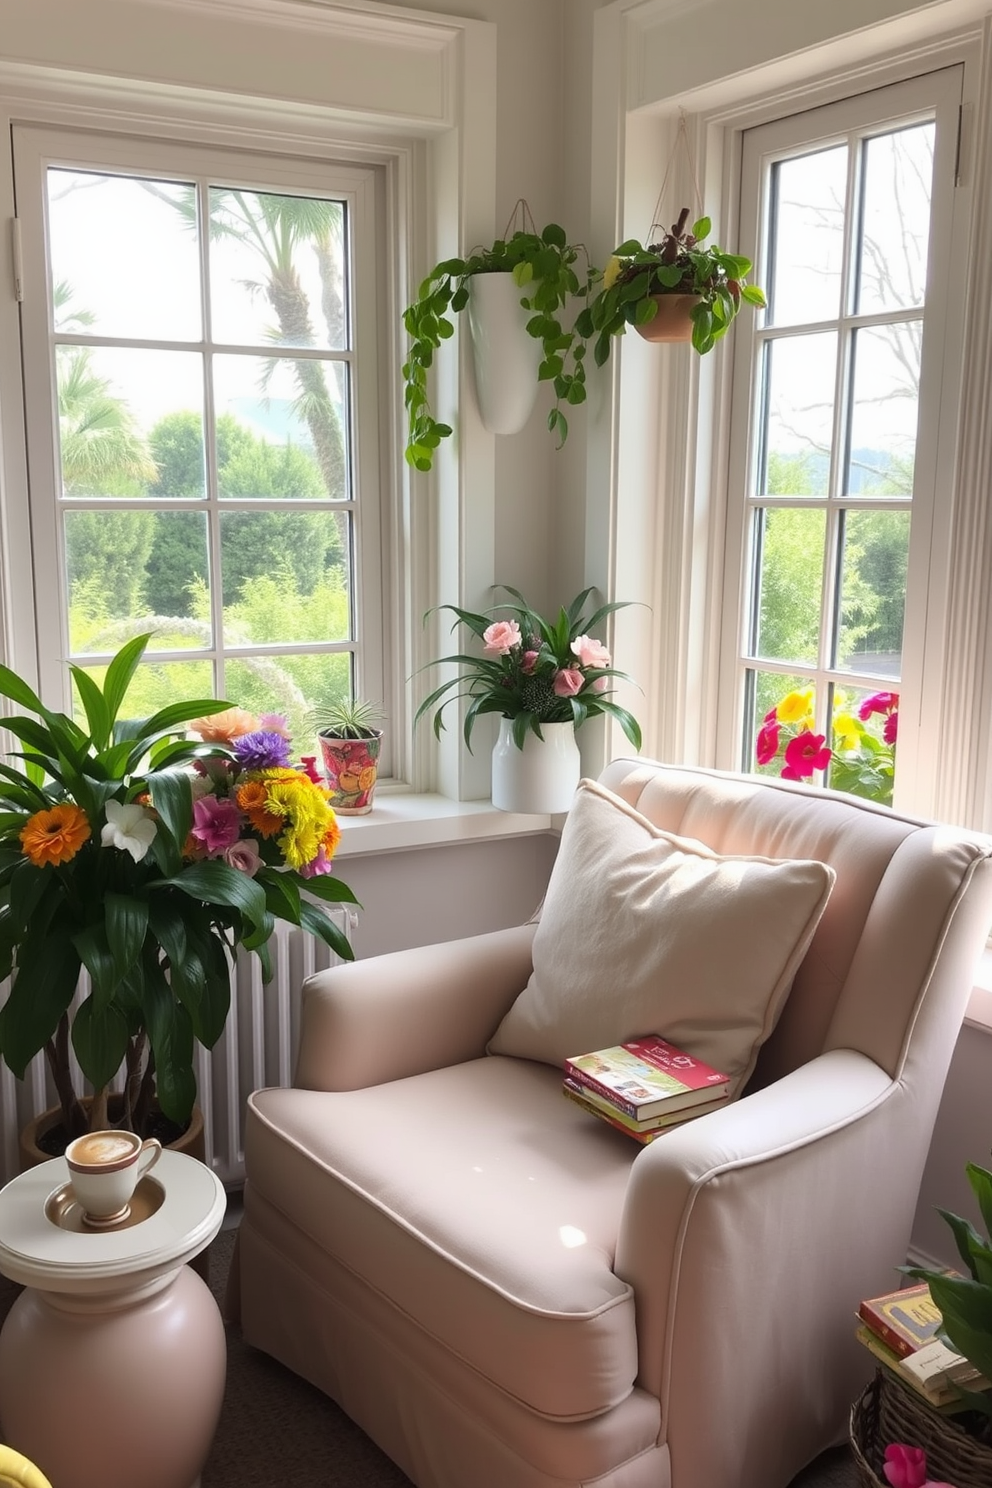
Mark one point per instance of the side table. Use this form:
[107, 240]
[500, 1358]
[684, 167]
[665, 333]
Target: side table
[113, 1360]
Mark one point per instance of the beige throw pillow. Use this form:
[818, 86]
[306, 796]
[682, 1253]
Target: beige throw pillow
[645, 932]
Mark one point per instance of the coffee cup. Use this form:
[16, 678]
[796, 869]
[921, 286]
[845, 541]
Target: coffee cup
[104, 1170]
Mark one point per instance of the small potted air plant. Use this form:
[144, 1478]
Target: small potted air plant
[677, 289]
[350, 738]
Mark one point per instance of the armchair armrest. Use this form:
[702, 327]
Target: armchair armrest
[367, 1022]
[750, 1236]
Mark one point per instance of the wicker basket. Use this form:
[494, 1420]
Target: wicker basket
[888, 1411]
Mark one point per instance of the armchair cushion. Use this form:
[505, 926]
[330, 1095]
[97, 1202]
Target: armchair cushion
[697, 947]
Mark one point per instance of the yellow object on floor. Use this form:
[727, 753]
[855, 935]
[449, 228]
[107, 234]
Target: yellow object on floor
[17, 1472]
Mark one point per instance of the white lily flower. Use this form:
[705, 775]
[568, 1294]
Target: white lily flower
[130, 828]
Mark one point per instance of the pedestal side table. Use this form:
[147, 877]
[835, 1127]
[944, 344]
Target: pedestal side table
[113, 1360]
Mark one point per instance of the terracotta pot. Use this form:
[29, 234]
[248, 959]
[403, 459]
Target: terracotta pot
[191, 1141]
[673, 321]
[351, 769]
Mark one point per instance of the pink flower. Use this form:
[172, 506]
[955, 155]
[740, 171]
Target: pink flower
[274, 723]
[216, 824]
[906, 1467]
[804, 754]
[591, 653]
[316, 866]
[568, 682]
[891, 728]
[600, 684]
[243, 855]
[528, 662]
[766, 745]
[501, 637]
[878, 702]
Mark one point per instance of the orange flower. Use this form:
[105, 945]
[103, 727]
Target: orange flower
[253, 799]
[222, 728]
[54, 835]
[331, 838]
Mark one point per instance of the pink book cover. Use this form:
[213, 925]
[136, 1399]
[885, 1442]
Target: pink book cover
[646, 1074]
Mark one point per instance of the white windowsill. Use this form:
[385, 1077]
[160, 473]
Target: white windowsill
[979, 1010]
[402, 819]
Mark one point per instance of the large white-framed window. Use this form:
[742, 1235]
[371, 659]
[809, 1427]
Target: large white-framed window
[842, 443]
[201, 352]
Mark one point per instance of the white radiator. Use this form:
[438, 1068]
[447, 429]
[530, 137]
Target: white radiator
[258, 1047]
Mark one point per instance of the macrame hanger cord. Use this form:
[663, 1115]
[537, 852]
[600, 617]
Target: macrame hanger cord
[681, 139]
[521, 214]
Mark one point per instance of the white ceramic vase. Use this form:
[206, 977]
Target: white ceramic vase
[506, 359]
[539, 779]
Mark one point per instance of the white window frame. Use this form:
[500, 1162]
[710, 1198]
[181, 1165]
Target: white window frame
[38, 149]
[936, 94]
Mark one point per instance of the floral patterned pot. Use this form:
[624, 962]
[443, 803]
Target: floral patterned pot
[351, 768]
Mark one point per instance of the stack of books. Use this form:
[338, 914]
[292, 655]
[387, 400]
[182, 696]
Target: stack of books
[900, 1330]
[645, 1086]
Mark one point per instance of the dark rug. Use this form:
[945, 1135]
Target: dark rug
[275, 1429]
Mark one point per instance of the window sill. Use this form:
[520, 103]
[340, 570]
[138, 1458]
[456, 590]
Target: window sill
[979, 1010]
[401, 820]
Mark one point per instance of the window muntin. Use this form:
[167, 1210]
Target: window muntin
[225, 513]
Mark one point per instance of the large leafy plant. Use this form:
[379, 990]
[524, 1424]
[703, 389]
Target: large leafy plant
[679, 263]
[965, 1302]
[533, 670]
[543, 266]
[146, 858]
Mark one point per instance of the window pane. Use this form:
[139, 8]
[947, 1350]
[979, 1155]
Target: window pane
[285, 426]
[115, 405]
[895, 227]
[155, 684]
[875, 555]
[277, 270]
[134, 570]
[291, 685]
[285, 577]
[791, 584]
[807, 237]
[884, 409]
[800, 373]
[124, 256]
[780, 726]
[864, 727]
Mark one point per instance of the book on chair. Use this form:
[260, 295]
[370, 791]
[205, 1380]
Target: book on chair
[647, 1077]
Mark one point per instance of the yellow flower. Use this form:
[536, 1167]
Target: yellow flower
[847, 731]
[795, 706]
[55, 835]
[612, 272]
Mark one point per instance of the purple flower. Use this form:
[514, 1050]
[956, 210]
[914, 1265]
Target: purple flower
[316, 866]
[262, 750]
[216, 823]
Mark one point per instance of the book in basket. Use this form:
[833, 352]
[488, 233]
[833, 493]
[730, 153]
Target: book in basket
[905, 1319]
[646, 1076]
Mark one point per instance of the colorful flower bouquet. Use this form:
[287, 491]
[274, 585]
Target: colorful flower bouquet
[533, 670]
[146, 858]
[862, 761]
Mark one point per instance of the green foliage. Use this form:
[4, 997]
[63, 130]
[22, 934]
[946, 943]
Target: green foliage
[965, 1303]
[680, 263]
[518, 680]
[97, 872]
[347, 718]
[542, 265]
[110, 549]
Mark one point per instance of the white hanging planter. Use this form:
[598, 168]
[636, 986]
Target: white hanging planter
[506, 359]
[539, 779]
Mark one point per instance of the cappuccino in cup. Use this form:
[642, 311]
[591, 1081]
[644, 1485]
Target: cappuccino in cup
[104, 1170]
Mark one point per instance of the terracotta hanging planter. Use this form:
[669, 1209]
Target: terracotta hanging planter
[673, 322]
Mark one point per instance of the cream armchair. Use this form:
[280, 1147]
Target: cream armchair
[503, 1291]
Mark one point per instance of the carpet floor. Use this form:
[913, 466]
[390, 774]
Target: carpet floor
[276, 1429]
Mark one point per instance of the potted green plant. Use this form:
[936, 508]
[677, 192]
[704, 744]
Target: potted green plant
[676, 289]
[145, 858]
[350, 739]
[544, 678]
[540, 272]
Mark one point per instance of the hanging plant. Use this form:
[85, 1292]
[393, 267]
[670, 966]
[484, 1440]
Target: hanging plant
[543, 267]
[636, 279]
